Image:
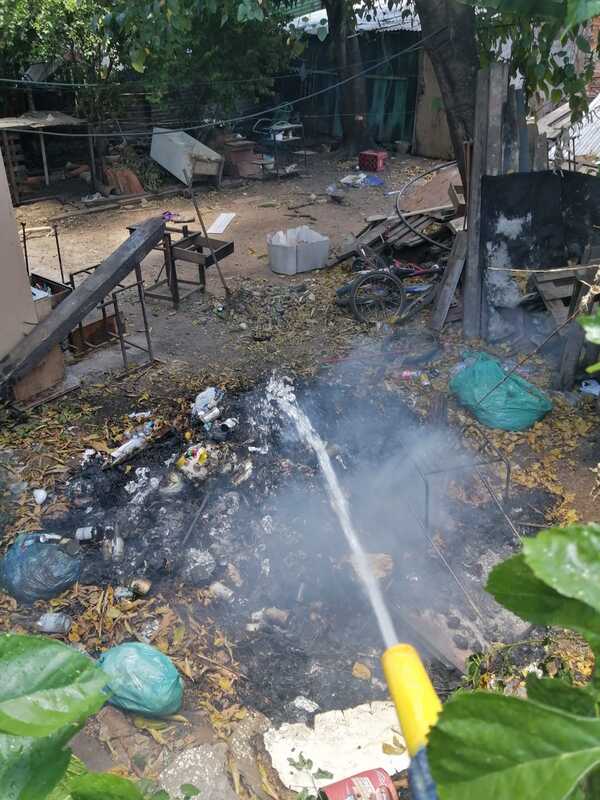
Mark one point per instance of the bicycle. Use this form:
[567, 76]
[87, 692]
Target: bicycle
[384, 294]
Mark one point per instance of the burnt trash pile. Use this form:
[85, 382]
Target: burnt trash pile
[231, 506]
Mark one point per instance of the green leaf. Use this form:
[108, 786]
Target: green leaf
[45, 685]
[189, 790]
[62, 790]
[515, 586]
[579, 11]
[591, 325]
[98, 786]
[558, 694]
[31, 767]
[138, 58]
[486, 745]
[583, 44]
[322, 775]
[568, 560]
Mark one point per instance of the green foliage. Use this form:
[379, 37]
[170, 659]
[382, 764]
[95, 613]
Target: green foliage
[31, 767]
[229, 50]
[189, 790]
[548, 746]
[591, 325]
[556, 62]
[515, 586]
[45, 686]
[93, 786]
[75, 768]
[488, 745]
[567, 12]
[46, 694]
[306, 765]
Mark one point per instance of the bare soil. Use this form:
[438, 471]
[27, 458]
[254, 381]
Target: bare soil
[199, 332]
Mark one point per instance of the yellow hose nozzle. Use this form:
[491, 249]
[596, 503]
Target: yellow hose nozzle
[416, 701]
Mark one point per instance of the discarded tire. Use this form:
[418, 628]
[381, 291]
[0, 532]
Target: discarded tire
[36, 569]
[142, 680]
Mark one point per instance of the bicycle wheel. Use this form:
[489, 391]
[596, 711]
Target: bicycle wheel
[377, 297]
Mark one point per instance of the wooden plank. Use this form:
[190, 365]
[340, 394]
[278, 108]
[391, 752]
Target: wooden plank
[556, 291]
[204, 259]
[45, 375]
[30, 350]
[473, 285]
[552, 276]
[510, 134]
[540, 158]
[522, 128]
[575, 339]
[457, 196]
[457, 225]
[449, 283]
[498, 92]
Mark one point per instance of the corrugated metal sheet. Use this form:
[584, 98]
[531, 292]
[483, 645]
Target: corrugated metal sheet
[587, 132]
[380, 18]
[39, 119]
[306, 6]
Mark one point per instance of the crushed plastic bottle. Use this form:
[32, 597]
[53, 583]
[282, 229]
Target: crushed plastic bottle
[54, 623]
[203, 407]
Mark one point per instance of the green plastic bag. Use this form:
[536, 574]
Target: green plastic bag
[142, 679]
[515, 405]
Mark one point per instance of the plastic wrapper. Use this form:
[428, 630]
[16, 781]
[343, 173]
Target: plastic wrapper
[513, 405]
[142, 680]
[37, 569]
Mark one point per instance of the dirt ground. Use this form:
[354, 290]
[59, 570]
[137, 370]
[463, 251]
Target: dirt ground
[200, 332]
[270, 322]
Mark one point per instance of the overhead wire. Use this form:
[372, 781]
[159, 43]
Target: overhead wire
[50, 85]
[245, 117]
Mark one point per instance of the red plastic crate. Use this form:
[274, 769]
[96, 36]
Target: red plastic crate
[372, 160]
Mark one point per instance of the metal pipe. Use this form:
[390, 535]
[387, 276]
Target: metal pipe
[138, 272]
[403, 216]
[23, 226]
[60, 263]
[44, 160]
[205, 234]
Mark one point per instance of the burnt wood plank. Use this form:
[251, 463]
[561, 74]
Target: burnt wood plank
[452, 273]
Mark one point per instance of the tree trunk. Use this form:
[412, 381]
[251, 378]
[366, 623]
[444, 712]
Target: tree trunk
[452, 49]
[356, 136]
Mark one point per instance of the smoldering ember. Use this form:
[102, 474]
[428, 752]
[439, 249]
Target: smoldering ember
[299, 451]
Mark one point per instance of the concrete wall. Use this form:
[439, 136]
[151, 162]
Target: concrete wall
[432, 137]
[16, 305]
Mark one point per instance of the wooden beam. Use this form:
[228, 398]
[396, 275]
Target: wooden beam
[57, 326]
[540, 157]
[473, 286]
[498, 93]
[449, 283]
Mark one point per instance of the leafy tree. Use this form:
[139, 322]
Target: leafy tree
[70, 33]
[548, 746]
[48, 691]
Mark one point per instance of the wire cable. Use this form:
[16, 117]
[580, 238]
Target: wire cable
[265, 112]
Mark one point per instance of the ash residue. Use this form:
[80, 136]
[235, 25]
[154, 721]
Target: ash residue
[258, 524]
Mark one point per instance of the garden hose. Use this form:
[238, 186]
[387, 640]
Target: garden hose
[417, 707]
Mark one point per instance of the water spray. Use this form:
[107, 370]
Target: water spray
[417, 704]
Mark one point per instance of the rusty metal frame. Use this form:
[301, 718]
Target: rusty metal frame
[121, 336]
